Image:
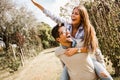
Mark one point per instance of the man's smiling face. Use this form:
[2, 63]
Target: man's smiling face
[64, 35]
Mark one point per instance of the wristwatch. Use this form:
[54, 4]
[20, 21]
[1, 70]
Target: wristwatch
[79, 50]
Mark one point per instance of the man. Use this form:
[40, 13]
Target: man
[79, 66]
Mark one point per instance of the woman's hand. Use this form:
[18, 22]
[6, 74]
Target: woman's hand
[84, 50]
[72, 51]
[33, 1]
[38, 5]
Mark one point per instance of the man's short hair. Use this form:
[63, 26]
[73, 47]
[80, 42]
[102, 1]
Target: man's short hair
[55, 32]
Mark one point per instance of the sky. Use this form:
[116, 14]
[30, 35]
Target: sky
[52, 5]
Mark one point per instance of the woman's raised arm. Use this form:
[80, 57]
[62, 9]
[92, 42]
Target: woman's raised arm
[55, 18]
[37, 5]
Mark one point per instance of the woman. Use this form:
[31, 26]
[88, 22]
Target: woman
[81, 28]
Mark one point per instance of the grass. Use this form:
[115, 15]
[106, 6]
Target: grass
[116, 78]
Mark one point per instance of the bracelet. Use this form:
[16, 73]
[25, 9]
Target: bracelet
[79, 50]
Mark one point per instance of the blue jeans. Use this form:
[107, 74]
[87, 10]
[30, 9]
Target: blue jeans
[64, 75]
[98, 69]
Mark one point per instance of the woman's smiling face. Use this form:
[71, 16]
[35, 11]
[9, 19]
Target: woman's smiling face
[75, 17]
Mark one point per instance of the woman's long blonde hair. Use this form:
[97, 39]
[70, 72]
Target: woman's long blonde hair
[90, 39]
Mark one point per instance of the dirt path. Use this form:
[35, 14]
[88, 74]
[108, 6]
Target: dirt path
[46, 66]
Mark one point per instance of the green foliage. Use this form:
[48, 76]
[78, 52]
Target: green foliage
[22, 35]
[105, 18]
[45, 35]
[14, 66]
[8, 61]
[16, 27]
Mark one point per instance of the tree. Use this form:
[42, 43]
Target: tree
[15, 25]
[105, 18]
[45, 34]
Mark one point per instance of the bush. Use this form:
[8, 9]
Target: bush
[46, 38]
[105, 18]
